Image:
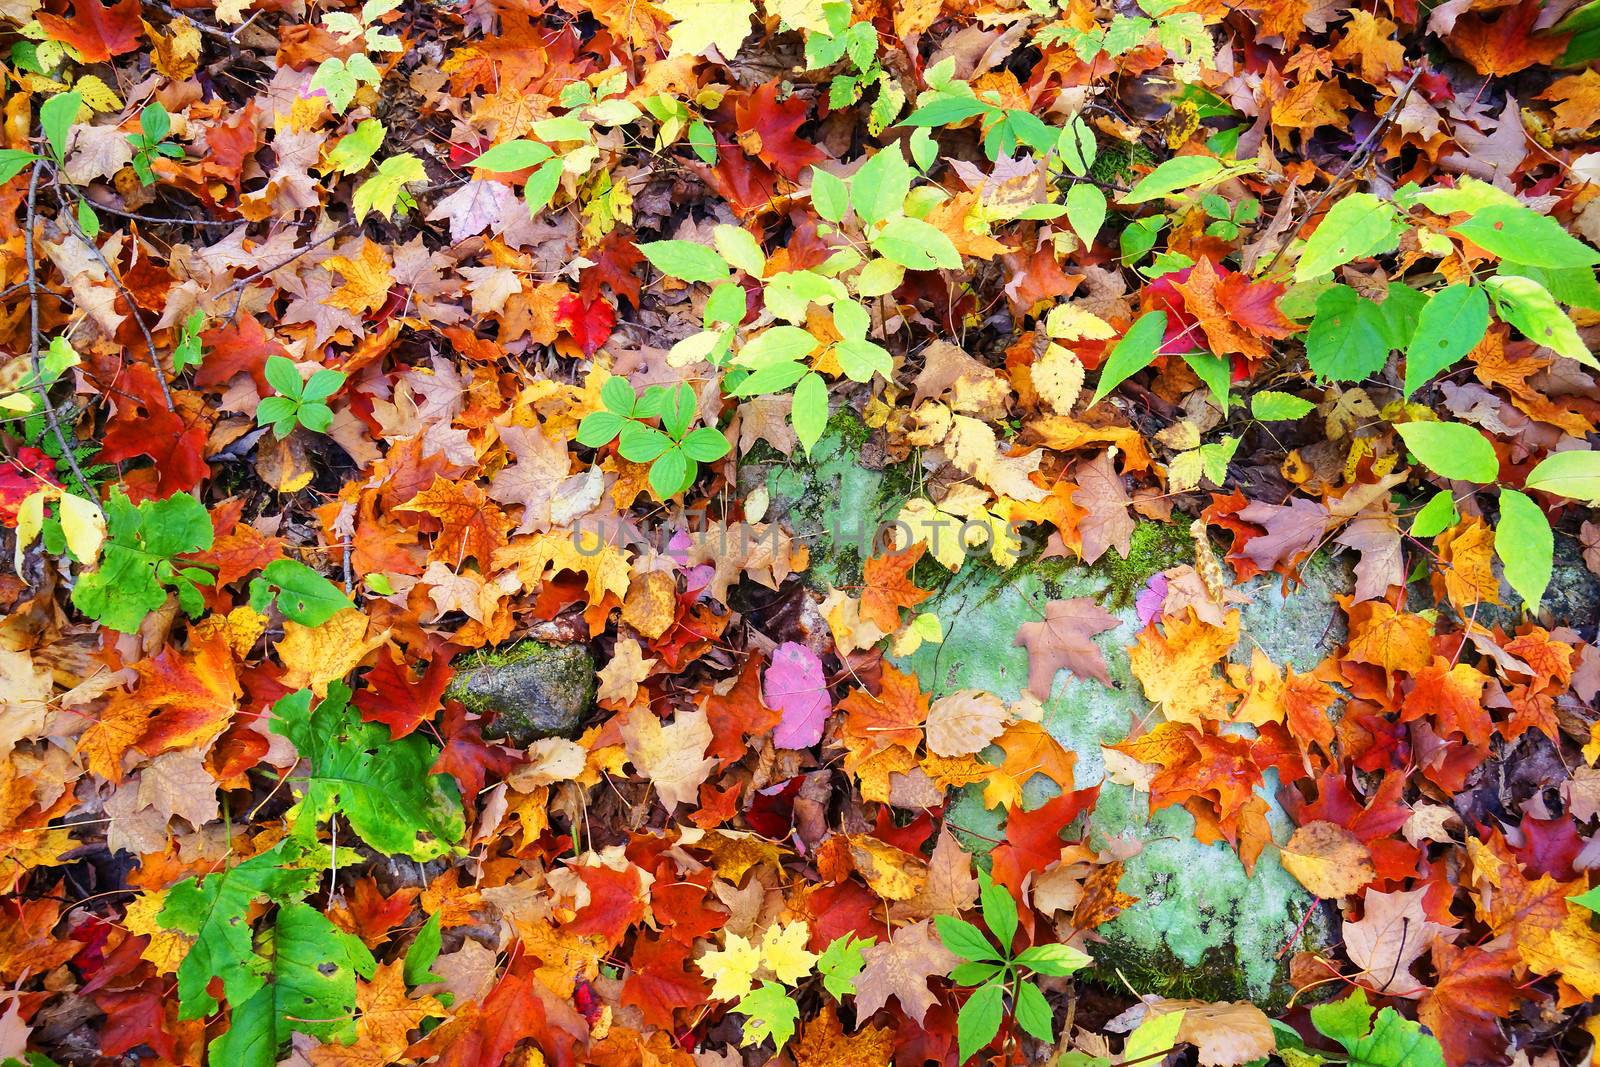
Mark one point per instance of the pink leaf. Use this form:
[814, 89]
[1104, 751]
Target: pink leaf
[793, 684]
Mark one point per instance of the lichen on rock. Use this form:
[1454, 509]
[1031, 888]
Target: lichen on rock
[533, 688]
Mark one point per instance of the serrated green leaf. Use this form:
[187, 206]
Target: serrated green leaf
[1519, 233]
[383, 191]
[1272, 406]
[1349, 338]
[1359, 225]
[840, 962]
[1172, 176]
[964, 939]
[979, 1019]
[770, 1012]
[304, 596]
[1528, 306]
[380, 784]
[916, 245]
[1436, 516]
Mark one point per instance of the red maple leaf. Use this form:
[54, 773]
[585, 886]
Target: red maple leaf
[135, 1017]
[767, 130]
[613, 265]
[20, 478]
[397, 698]
[465, 756]
[740, 714]
[96, 30]
[145, 426]
[588, 321]
[616, 902]
[1474, 991]
[659, 981]
[1033, 838]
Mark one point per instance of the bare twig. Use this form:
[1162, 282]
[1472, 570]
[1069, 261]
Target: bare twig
[1356, 158]
[122, 290]
[239, 286]
[34, 359]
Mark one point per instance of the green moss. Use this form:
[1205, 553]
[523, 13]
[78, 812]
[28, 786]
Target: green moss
[1154, 547]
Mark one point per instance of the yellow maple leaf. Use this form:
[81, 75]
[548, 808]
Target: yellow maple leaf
[367, 279]
[1177, 667]
[581, 551]
[731, 968]
[167, 948]
[784, 953]
[316, 655]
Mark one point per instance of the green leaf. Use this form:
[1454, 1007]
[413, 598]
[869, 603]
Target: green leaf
[1590, 900]
[1528, 306]
[944, 110]
[1358, 226]
[1451, 450]
[809, 412]
[1033, 1012]
[1393, 1040]
[322, 384]
[672, 473]
[638, 443]
[380, 784]
[312, 968]
[840, 962]
[776, 344]
[283, 376]
[771, 1012]
[618, 396]
[878, 190]
[1216, 371]
[1086, 211]
[1139, 237]
[703, 142]
[1176, 174]
[126, 586]
[599, 428]
[156, 123]
[1436, 516]
[1574, 474]
[423, 951]
[541, 186]
[979, 1019]
[1272, 406]
[773, 378]
[705, 445]
[1154, 1036]
[383, 191]
[1054, 960]
[1452, 322]
[964, 939]
[213, 912]
[1345, 1021]
[829, 195]
[1132, 354]
[686, 260]
[999, 914]
[739, 248]
[973, 974]
[860, 360]
[56, 116]
[1519, 233]
[1348, 339]
[1526, 546]
[314, 415]
[13, 161]
[304, 596]
[355, 149]
[916, 245]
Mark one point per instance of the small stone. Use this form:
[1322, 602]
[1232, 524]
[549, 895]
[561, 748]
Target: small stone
[534, 689]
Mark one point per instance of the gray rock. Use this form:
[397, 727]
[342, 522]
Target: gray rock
[534, 689]
[1203, 927]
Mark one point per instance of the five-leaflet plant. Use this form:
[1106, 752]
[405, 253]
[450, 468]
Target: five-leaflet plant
[673, 451]
[298, 402]
[151, 141]
[1001, 979]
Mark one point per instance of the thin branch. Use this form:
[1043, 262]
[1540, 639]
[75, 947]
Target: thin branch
[127, 297]
[34, 359]
[1356, 158]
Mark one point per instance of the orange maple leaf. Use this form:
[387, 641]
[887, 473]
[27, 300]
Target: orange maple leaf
[893, 717]
[887, 587]
[472, 524]
[1177, 667]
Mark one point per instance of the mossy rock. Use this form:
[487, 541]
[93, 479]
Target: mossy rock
[534, 689]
